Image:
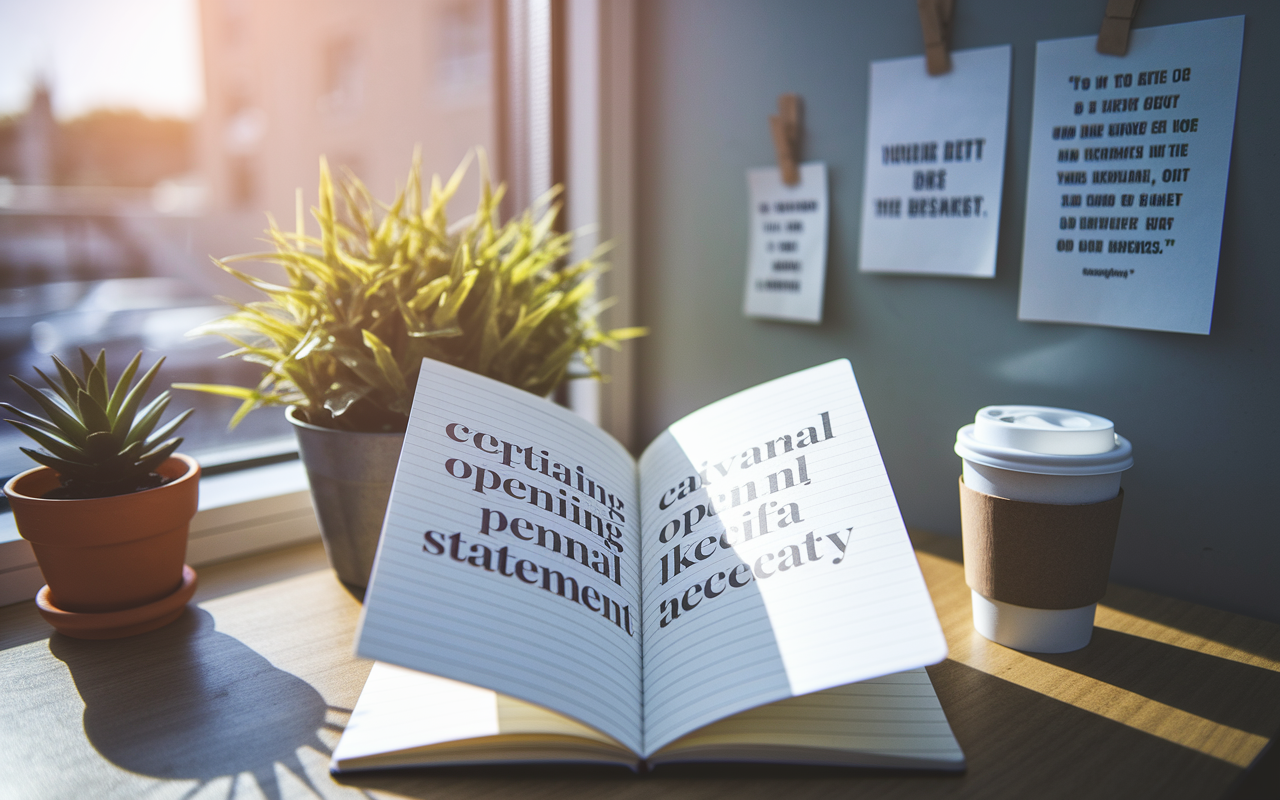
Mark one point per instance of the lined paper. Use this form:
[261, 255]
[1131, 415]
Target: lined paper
[892, 721]
[404, 717]
[403, 710]
[509, 624]
[834, 596]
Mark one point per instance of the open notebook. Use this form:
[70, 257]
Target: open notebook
[747, 591]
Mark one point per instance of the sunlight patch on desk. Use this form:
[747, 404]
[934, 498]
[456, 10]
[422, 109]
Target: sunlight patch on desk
[1133, 625]
[1224, 742]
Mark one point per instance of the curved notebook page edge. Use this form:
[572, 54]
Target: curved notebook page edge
[402, 712]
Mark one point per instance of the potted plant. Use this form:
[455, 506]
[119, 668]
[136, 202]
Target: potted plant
[107, 511]
[343, 336]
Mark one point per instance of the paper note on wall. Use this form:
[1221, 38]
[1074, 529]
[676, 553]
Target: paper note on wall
[787, 263]
[1128, 177]
[935, 165]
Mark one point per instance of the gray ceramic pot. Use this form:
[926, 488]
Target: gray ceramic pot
[350, 476]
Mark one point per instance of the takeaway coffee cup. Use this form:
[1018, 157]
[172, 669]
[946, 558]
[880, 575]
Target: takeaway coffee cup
[1039, 504]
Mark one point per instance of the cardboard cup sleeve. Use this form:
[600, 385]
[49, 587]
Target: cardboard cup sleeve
[1037, 555]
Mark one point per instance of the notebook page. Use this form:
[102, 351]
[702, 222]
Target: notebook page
[401, 709]
[894, 720]
[509, 557]
[775, 559]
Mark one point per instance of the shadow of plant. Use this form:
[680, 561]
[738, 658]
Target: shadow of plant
[187, 702]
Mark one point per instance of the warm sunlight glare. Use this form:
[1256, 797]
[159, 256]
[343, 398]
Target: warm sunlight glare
[142, 54]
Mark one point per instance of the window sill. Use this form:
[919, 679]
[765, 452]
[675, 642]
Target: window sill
[240, 513]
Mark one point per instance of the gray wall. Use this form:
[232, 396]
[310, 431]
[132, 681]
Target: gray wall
[928, 352]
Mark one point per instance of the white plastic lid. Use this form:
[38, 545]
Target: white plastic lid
[1051, 431]
[1043, 440]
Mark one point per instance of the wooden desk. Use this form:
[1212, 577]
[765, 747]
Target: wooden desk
[246, 694]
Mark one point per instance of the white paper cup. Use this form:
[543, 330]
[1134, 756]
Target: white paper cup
[1051, 456]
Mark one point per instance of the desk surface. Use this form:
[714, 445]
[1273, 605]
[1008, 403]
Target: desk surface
[246, 694]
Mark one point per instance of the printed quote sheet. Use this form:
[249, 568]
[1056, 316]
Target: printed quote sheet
[787, 263]
[1128, 177]
[934, 169]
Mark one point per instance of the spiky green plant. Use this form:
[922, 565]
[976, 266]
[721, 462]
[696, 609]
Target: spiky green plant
[97, 438]
[382, 287]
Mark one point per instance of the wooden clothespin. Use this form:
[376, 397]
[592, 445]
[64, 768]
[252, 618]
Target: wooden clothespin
[935, 23]
[785, 127]
[1113, 38]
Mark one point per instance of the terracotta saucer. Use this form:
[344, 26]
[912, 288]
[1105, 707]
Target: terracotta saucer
[119, 624]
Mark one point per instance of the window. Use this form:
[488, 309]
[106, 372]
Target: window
[105, 238]
[116, 185]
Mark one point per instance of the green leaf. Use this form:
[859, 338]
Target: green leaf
[338, 404]
[31, 419]
[149, 461]
[124, 419]
[429, 294]
[96, 380]
[443, 333]
[325, 215]
[53, 444]
[146, 419]
[248, 405]
[628, 333]
[55, 387]
[168, 428]
[122, 386]
[515, 340]
[62, 466]
[455, 180]
[71, 427]
[555, 364]
[238, 392]
[451, 302]
[386, 362]
[93, 414]
[70, 381]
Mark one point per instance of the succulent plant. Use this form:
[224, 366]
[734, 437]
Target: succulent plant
[382, 287]
[96, 437]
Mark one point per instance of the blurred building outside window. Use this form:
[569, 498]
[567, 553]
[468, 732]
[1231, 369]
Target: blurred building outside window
[109, 211]
[463, 67]
[343, 76]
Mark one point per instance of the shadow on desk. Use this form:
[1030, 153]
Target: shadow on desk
[670, 781]
[187, 702]
[1137, 714]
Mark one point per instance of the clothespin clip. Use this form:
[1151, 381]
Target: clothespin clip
[1113, 38]
[785, 127]
[935, 23]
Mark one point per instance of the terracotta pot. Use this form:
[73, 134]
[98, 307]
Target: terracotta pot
[350, 475]
[108, 554]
